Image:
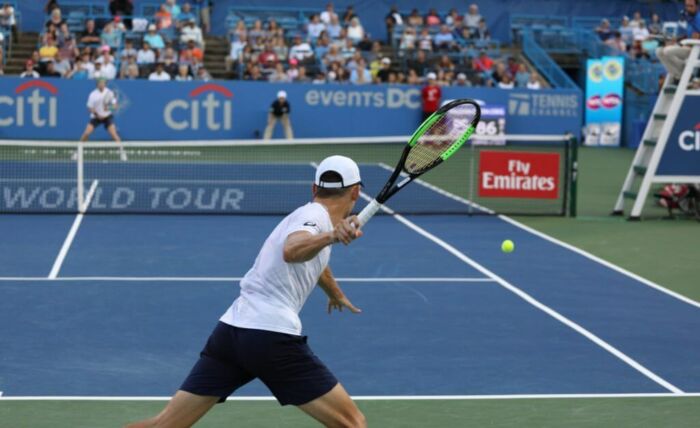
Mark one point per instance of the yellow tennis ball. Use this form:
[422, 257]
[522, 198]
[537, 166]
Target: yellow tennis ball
[507, 246]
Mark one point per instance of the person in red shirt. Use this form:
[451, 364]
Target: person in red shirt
[431, 95]
[483, 62]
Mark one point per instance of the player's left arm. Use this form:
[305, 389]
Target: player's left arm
[336, 298]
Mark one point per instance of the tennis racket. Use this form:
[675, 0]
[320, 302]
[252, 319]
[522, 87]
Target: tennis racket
[436, 140]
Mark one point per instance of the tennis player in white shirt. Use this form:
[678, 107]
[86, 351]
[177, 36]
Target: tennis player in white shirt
[259, 336]
[101, 103]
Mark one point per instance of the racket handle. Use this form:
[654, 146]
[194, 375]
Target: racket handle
[368, 212]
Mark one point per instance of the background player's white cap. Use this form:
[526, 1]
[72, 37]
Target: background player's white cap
[347, 169]
[282, 94]
[431, 76]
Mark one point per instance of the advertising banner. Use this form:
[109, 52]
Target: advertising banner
[681, 156]
[605, 80]
[508, 174]
[220, 110]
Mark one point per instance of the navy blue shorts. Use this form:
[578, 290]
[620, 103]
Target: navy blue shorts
[107, 122]
[234, 356]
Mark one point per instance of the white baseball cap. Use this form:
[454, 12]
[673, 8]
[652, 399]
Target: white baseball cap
[345, 167]
[282, 94]
[431, 76]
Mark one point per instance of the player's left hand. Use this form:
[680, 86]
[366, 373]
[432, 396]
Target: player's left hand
[342, 302]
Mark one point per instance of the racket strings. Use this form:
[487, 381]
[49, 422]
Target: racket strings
[432, 145]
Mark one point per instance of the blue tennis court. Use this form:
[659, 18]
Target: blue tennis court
[120, 305]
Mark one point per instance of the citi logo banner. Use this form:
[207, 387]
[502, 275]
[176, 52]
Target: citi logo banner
[209, 106]
[689, 141]
[34, 103]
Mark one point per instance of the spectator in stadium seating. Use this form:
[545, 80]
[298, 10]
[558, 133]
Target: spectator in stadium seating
[392, 19]
[204, 13]
[425, 40]
[445, 64]
[640, 32]
[408, 40]
[444, 40]
[108, 69]
[415, 19]
[328, 14]
[185, 16]
[637, 51]
[145, 56]
[419, 63]
[62, 65]
[637, 20]
[62, 35]
[183, 73]
[506, 82]
[293, 70]
[334, 28]
[170, 64]
[655, 26]
[253, 73]
[236, 52]
[164, 18]
[432, 18]
[512, 66]
[279, 46]
[412, 77]
[132, 72]
[8, 19]
[111, 37]
[360, 75]
[604, 30]
[302, 77]
[173, 8]
[319, 78]
[462, 80]
[383, 73]
[534, 81]
[126, 62]
[87, 68]
[616, 43]
[626, 31]
[69, 48]
[431, 94]
[268, 59]
[315, 27]
[97, 71]
[301, 50]
[128, 51]
[499, 72]
[48, 50]
[56, 19]
[481, 32]
[355, 31]
[257, 31]
[522, 76]
[50, 70]
[154, 39]
[349, 15]
[333, 55]
[348, 50]
[278, 75]
[90, 36]
[191, 32]
[279, 111]
[29, 71]
[482, 63]
[159, 74]
[239, 31]
[453, 20]
[195, 52]
[472, 17]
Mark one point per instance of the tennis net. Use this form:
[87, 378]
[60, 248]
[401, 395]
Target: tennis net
[513, 175]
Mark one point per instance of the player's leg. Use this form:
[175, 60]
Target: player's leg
[271, 122]
[112, 129]
[88, 130]
[335, 409]
[183, 410]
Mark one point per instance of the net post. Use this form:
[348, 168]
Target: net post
[573, 141]
[80, 176]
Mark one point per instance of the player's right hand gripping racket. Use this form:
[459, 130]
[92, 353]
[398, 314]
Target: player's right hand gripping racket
[436, 140]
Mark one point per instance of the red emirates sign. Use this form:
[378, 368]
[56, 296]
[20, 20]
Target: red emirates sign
[519, 175]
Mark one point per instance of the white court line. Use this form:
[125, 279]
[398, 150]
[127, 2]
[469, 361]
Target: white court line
[556, 241]
[233, 279]
[71, 234]
[375, 397]
[534, 302]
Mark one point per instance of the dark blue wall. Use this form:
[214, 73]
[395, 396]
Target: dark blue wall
[372, 12]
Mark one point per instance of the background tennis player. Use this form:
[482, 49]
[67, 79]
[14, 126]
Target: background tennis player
[101, 103]
[259, 336]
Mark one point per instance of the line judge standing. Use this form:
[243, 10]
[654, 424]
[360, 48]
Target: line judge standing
[279, 110]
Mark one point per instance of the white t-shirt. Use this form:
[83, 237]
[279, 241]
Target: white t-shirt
[273, 291]
[101, 102]
[159, 77]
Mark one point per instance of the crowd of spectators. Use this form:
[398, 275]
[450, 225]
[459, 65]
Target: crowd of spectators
[636, 38]
[335, 48]
[8, 25]
[169, 46]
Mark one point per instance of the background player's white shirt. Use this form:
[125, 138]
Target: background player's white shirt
[101, 102]
[273, 291]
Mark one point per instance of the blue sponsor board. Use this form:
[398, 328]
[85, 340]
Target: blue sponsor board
[604, 91]
[681, 156]
[56, 109]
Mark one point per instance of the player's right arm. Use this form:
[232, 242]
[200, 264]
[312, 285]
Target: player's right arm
[303, 246]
